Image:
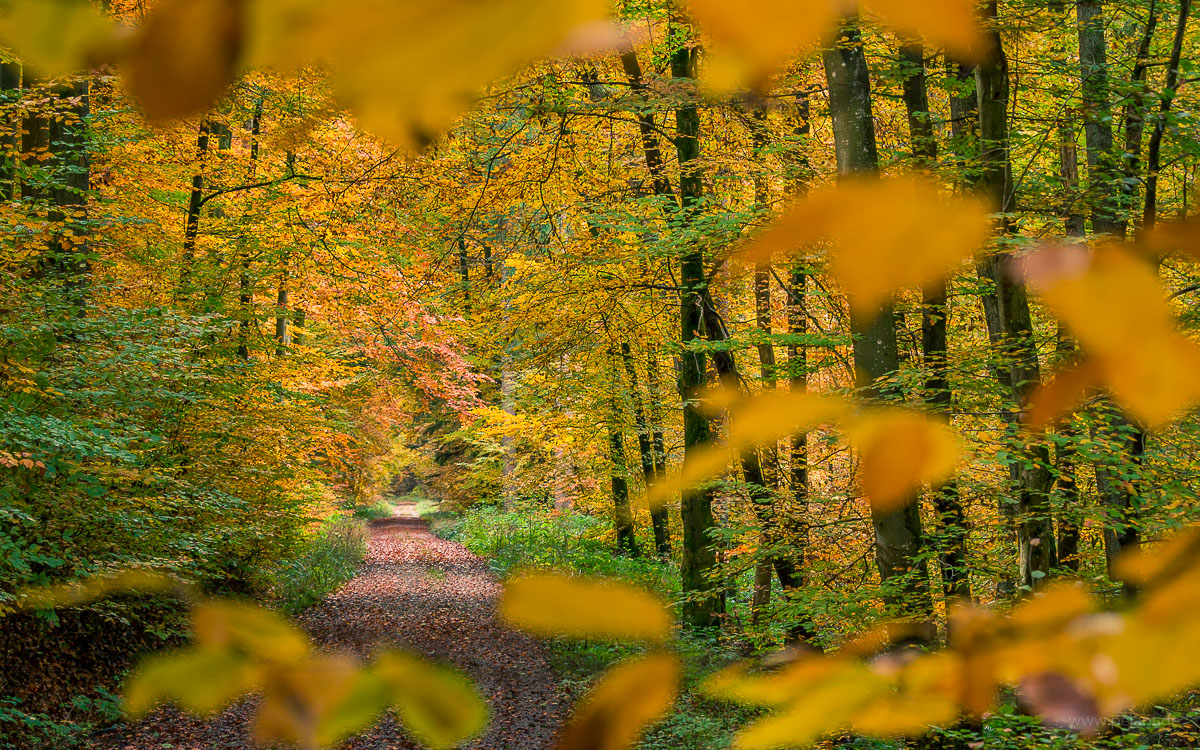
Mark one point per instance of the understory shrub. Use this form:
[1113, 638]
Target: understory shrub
[564, 540]
[326, 560]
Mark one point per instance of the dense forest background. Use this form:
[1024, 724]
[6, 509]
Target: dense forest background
[255, 280]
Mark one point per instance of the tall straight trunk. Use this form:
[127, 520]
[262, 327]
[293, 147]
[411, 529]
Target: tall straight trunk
[1135, 106]
[645, 438]
[1065, 450]
[922, 140]
[1071, 509]
[1010, 324]
[622, 510]
[699, 553]
[1103, 187]
[964, 117]
[10, 144]
[66, 132]
[898, 534]
[191, 228]
[1154, 150]
[767, 369]
[646, 128]
[35, 141]
[248, 319]
[283, 338]
[659, 449]
[950, 535]
[795, 508]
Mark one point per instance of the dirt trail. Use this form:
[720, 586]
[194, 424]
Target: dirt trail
[420, 593]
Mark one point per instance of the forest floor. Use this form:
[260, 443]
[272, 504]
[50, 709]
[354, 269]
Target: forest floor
[417, 592]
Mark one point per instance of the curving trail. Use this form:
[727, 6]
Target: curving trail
[421, 593]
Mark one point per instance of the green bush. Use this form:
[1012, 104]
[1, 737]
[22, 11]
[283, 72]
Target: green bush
[326, 560]
[377, 509]
[553, 539]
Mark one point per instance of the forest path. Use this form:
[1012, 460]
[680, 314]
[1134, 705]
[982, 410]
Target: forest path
[417, 592]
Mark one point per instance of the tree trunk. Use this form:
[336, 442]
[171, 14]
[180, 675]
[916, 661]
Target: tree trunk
[699, 553]
[1103, 186]
[283, 338]
[658, 516]
[950, 530]
[898, 535]
[622, 510]
[10, 145]
[1153, 157]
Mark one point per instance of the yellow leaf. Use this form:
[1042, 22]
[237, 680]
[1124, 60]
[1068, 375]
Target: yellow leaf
[202, 680]
[890, 234]
[438, 705]
[382, 53]
[628, 697]
[318, 702]
[184, 56]
[98, 587]
[901, 450]
[1061, 603]
[755, 49]
[927, 694]
[583, 608]
[1115, 308]
[1055, 399]
[56, 37]
[822, 706]
[953, 24]
[254, 630]
[755, 421]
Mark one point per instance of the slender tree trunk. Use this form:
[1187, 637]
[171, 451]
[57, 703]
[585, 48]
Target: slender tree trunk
[898, 534]
[1103, 185]
[1010, 324]
[645, 438]
[950, 520]
[1065, 451]
[10, 142]
[191, 229]
[767, 372]
[662, 524]
[699, 553]
[66, 133]
[1135, 107]
[1154, 150]
[622, 510]
[283, 338]
[646, 127]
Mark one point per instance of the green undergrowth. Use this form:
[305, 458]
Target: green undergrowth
[325, 561]
[373, 511]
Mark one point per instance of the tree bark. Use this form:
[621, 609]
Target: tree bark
[898, 534]
[1154, 150]
[699, 553]
[658, 516]
[1103, 186]
[1010, 324]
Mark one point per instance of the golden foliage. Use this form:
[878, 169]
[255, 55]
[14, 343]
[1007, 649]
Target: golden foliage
[439, 706]
[185, 56]
[1071, 663]
[902, 450]
[755, 421]
[889, 234]
[627, 698]
[1148, 365]
[755, 39]
[547, 604]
